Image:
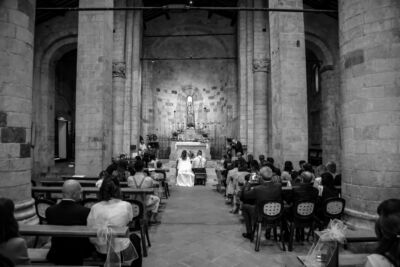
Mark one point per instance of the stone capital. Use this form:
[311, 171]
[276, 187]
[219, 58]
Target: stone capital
[261, 64]
[118, 69]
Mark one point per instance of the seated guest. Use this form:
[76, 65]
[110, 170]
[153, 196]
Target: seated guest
[69, 250]
[153, 161]
[112, 167]
[331, 168]
[237, 180]
[387, 230]
[327, 187]
[141, 181]
[318, 172]
[11, 244]
[301, 166]
[287, 171]
[326, 190]
[262, 160]
[252, 197]
[271, 160]
[111, 211]
[304, 190]
[199, 161]
[252, 164]
[101, 177]
[307, 167]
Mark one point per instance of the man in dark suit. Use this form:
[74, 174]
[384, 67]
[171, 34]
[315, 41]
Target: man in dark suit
[67, 250]
[304, 190]
[267, 191]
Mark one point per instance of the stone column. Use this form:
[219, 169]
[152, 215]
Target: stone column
[118, 79]
[94, 88]
[330, 114]
[128, 81]
[136, 74]
[261, 64]
[250, 78]
[17, 24]
[288, 83]
[370, 90]
[242, 71]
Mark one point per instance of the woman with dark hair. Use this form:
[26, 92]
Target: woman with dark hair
[184, 173]
[11, 244]
[327, 188]
[387, 230]
[110, 212]
[287, 171]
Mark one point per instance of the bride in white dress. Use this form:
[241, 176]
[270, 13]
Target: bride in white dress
[185, 176]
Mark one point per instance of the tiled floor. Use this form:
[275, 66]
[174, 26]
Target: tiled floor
[198, 230]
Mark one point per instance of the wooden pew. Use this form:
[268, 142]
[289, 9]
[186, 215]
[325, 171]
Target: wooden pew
[48, 190]
[362, 235]
[84, 183]
[67, 177]
[39, 255]
[66, 231]
[155, 169]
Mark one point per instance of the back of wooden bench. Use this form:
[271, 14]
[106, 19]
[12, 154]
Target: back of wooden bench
[67, 231]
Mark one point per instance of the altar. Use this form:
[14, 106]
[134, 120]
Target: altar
[190, 146]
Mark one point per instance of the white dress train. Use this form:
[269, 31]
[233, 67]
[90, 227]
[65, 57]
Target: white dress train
[185, 175]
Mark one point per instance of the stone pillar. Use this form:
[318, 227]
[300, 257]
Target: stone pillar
[136, 74]
[330, 114]
[118, 79]
[288, 83]
[370, 90]
[250, 78]
[17, 25]
[242, 71]
[128, 80]
[94, 88]
[261, 62]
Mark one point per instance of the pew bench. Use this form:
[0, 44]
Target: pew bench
[140, 194]
[78, 178]
[39, 255]
[84, 183]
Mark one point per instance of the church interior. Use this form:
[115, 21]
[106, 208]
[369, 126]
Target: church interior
[233, 130]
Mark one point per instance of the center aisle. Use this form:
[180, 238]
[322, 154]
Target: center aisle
[198, 230]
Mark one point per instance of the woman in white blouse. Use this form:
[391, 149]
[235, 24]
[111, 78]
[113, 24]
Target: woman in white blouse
[111, 212]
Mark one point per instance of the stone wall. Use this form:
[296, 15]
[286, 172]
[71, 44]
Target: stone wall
[53, 39]
[370, 97]
[198, 60]
[17, 24]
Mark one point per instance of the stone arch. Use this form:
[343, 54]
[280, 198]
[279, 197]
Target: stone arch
[320, 49]
[329, 116]
[44, 97]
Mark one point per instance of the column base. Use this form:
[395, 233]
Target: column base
[360, 220]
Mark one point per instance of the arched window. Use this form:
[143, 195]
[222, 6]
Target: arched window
[316, 79]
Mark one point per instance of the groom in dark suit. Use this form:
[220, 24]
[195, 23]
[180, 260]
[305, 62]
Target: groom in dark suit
[69, 250]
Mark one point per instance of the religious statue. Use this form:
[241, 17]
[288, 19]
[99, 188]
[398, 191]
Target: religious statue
[190, 113]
